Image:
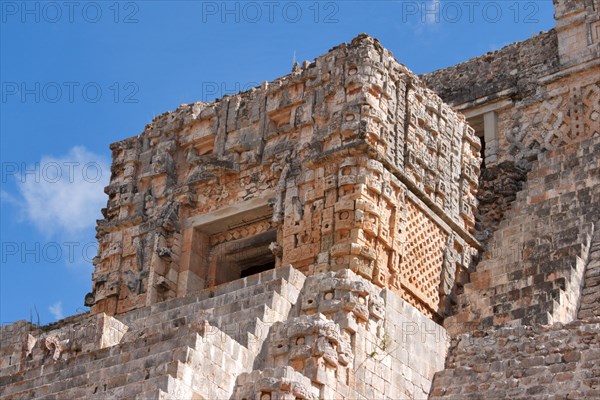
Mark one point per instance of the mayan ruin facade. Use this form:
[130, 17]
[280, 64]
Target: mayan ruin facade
[350, 231]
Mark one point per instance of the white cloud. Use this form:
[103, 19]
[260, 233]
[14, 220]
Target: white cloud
[56, 310]
[6, 197]
[432, 12]
[64, 194]
[422, 17]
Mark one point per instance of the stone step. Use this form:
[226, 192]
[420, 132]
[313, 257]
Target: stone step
[256, 327]
[267, 305]
[51, 384]
[96, 370]
[164, 362]
[155, 340]
[593, 267]
[173, 309]
[209, 364]
[244, 302]
[129, 390]
[126, 346]
[108, 359]
[546, 229]
[286, 281]
[290, 274]
[130, 348]
[589, 305]
[522, 354]
[234, 324]
[223, 303]
[273, 301]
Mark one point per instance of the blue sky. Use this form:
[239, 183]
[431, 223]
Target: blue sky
[77, 76]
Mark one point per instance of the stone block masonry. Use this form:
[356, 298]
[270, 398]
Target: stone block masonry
[589, 305]
[314, 238]
[552, 362]
[534, 268]
[331, 335]
[347, 163]
[301, 240]
[541, 93]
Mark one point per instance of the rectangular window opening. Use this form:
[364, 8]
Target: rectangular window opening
[478, 125]
[243, 257]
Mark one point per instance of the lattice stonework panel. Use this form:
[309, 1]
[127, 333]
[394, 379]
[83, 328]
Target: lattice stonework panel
[423, 256]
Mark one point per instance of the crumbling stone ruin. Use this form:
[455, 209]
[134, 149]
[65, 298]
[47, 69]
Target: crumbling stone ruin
[350, 231]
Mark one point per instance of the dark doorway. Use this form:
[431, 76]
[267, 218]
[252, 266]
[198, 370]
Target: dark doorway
[257, 269]
[243, 257]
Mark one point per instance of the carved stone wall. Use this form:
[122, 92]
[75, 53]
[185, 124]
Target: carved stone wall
[358, 185]
[544, 93]
[350, 161]
[352, 339]
[331, 335]
[533, 269]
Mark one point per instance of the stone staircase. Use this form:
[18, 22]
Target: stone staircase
[524, 362]
[244, 309]
[590, 299]
[545, 291]
[533, 269]
[194, 346]
[98, 371]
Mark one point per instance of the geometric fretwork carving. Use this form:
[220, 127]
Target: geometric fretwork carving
[423, 256]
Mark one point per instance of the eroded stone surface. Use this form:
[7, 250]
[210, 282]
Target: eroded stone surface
[311, 238]
[534, 268]
[347, 163]
[526, 362]
[187, 348]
